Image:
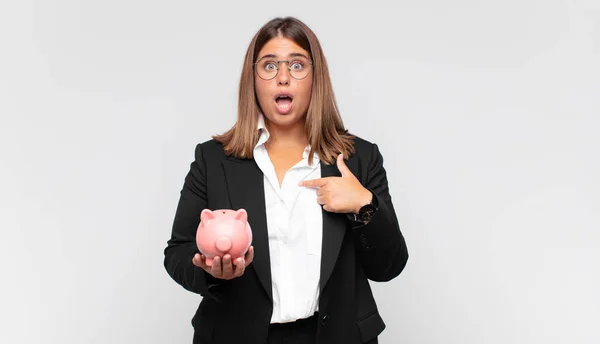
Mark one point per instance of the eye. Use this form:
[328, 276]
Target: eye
[270, 66]
[297, 65]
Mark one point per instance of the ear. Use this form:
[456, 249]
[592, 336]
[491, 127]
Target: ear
[241, 215]
[206, 215]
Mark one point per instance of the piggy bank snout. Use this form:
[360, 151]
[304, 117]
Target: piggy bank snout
[223, 244]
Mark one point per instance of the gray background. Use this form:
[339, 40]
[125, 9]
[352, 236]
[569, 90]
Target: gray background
[486, 113]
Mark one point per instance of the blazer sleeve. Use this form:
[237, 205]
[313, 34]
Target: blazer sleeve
[181, 247]
[381, 248]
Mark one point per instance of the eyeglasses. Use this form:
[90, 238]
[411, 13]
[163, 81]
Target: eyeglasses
[267, 68]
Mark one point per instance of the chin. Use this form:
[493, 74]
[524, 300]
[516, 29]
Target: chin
[282, 119]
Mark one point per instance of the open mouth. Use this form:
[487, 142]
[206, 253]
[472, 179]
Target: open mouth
[283, 102]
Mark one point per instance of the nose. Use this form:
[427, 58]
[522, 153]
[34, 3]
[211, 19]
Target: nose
[283, 77]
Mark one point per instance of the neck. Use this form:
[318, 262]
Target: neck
[288, 136]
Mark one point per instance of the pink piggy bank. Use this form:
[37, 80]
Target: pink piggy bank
[223, 231]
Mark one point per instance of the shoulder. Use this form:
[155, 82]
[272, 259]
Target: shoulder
[210, 150]
[211, 145]
[365, 149]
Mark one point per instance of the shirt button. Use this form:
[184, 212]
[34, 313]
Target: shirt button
[324, 319]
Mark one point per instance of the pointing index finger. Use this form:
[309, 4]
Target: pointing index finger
[314, 183]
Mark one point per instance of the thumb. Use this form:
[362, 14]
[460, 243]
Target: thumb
[344, 170]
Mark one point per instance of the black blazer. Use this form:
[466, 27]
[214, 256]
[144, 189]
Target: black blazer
[239, 310]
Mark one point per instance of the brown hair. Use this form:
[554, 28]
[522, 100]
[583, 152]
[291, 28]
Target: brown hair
[324, 127]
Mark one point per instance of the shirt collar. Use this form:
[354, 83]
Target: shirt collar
[262, 129]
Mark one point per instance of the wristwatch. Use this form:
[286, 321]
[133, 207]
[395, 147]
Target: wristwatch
[366, 212]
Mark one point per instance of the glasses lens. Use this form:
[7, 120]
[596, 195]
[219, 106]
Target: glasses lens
[266, 68]
[299, 68]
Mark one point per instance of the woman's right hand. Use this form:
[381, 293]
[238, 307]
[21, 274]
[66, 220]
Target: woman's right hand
[225, 268]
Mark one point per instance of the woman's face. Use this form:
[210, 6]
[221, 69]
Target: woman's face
[284, 99]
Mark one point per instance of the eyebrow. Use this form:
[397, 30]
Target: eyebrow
[290, 55]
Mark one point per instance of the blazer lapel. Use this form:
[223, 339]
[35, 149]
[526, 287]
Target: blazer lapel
[334, 226]
[245, 186]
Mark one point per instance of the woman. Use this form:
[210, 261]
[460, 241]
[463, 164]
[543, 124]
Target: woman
[317, 200]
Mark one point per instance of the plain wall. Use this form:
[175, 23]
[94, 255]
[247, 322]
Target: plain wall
[486, 112]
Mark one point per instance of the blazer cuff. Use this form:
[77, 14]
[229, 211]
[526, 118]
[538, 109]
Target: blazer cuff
[379, 232]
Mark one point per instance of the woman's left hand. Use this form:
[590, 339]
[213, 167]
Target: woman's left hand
[343, 194]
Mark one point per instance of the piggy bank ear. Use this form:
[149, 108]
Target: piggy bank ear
[241, 215]
[206, 215]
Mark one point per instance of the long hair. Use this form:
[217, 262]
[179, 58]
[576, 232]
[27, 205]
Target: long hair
[323, 124]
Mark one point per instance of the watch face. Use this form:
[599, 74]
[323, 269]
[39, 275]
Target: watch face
[365, 213]
[368, 209]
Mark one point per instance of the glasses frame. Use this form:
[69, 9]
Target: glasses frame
[310, 63]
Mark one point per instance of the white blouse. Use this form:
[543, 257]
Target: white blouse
[295, 227]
